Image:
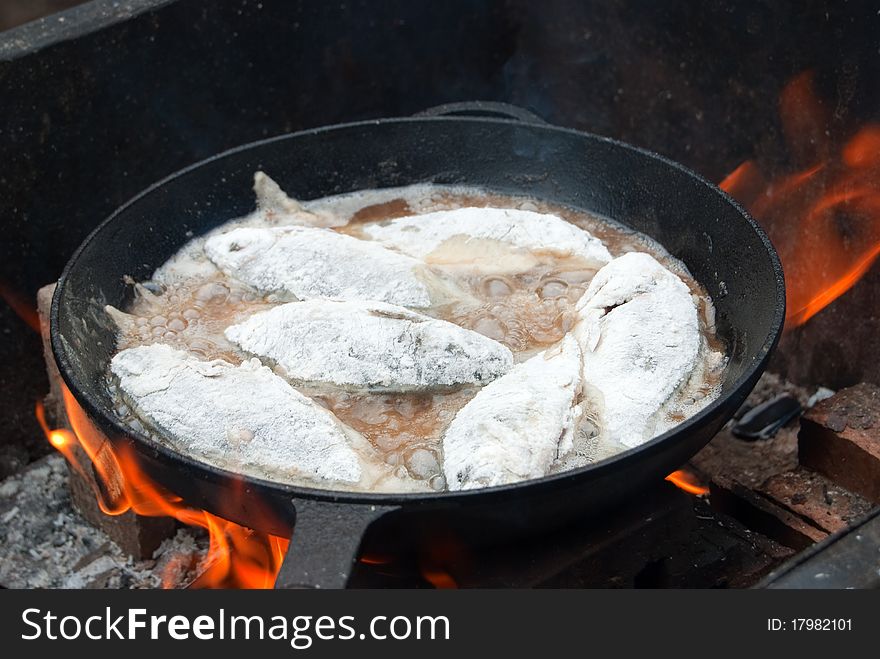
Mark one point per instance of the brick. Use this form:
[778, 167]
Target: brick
[761, 514]
[54, 400]
[816, 499]
[840, 438]
[136, 535]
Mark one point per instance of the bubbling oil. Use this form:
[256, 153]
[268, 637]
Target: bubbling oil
[189, 303]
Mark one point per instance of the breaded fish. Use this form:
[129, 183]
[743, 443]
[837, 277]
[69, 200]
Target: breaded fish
[517, 426]
[370, 345]
[492, 239]
[244, 414]
[311, 262]
[640, 337]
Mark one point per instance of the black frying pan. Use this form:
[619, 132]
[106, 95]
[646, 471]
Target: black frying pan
[720, 244]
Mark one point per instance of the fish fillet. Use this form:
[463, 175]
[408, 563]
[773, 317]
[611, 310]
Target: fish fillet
[517, 426]
[640, 337]
[311, 262]
[244, 414]
[495, 239]
[278, 208]
[370, 345]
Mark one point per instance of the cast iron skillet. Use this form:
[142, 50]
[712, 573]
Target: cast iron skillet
[720, 244]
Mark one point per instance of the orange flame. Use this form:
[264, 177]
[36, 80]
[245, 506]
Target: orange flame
[440, 556]
[22, 309]
[439, 578]
[686, 481]
[237, 556]
[375, 559]
[825, 218]
[63, 441]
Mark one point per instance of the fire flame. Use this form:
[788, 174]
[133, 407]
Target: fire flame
[21, 308]
[686, 481]
[825, 218]
[439, 557]
[237, 557]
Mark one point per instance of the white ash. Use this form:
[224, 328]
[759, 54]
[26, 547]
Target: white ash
[312, 263]
[491, 239]
[245, 413]
[822, 393]
[516, 427]
[640, 337]
[370, 345]
[46, 544]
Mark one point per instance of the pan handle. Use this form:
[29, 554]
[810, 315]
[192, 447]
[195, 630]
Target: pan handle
[483, 108]
[325, 543]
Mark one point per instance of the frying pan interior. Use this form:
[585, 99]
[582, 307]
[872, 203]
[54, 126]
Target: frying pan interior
[720, 245]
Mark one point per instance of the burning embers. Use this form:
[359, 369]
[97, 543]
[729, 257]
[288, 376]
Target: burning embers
[824, 218]
[237, 558]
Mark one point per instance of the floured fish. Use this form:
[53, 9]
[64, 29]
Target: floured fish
[277, 207]
[640, 337]
[517, 426]
[244, 414]
[311, 263]
[371, 345]
[343, 302]
[491, 239]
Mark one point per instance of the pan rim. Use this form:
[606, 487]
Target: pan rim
[462, 497]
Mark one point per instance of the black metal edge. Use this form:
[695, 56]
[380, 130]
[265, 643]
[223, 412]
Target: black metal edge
[745, 382]
[70, 24]
[807, 569]
[325, 543]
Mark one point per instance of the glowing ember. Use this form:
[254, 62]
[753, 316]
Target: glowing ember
[237, 557]
[824, 219]
[439, 557]
[688, 482]
[438, 578]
